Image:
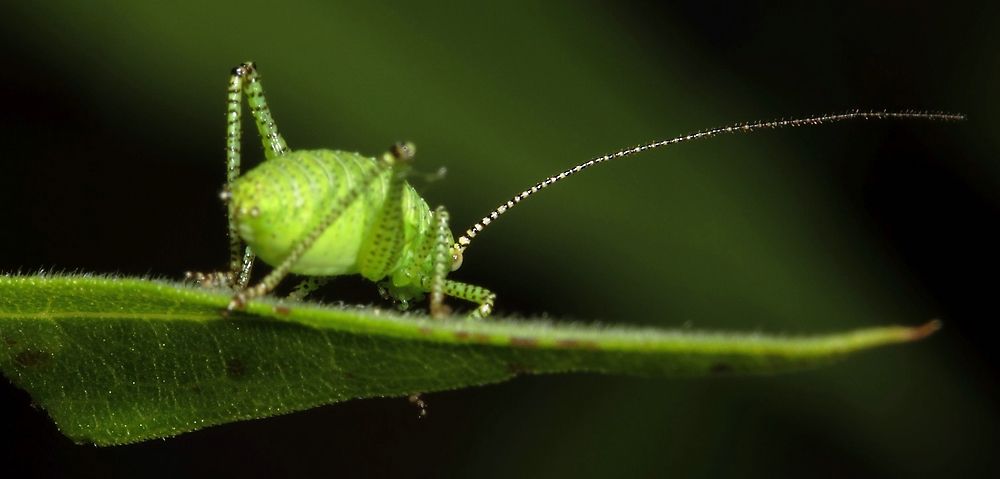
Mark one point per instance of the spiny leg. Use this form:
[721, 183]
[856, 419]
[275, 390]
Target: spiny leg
[383, 245]
[415, 269]
[476, 294]
[442, 255]
[243, 79]
[445, 260]
[343, 203]
[240, 258]
[308, 285]
[274, 144]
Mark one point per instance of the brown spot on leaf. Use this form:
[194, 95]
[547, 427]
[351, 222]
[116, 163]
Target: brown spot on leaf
[196, 389]
[350, 375]
[32, 359]
[235, 368]
[284, 310]
[461, 335]
[577, 344]
[9, 341]
[426, 331]
[481, 338]
[523, 342]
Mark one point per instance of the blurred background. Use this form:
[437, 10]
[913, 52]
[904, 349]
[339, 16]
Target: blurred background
[112, 126]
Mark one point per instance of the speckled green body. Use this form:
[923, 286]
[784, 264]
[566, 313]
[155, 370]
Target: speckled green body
[326, 213]
[279, 202]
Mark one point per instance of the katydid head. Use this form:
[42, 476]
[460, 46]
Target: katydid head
[463, 241]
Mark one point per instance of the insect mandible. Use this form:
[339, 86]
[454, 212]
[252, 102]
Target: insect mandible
[326, 213]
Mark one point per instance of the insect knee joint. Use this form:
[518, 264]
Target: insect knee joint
[404, 151]
[244, 69]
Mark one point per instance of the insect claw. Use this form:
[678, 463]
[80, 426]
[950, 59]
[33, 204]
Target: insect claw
[238, 302]
[483, 310]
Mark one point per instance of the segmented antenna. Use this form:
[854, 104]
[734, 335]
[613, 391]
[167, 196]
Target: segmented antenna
[464, 240]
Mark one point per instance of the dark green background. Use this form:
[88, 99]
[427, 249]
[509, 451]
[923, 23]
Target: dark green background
[112, 131]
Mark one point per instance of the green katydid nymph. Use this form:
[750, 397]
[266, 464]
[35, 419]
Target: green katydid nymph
[326, 213]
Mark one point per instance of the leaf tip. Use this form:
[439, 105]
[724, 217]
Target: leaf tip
[921, 332]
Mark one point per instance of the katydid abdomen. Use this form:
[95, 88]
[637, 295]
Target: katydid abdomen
[278, 203]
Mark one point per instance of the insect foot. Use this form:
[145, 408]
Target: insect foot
[221, 279]
[327, 213]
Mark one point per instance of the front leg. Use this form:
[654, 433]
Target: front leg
[308, 285]
[446, 259]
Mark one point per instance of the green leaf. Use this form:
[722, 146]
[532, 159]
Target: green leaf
[121, 360]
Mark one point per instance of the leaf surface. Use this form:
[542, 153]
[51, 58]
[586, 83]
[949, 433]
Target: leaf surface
[121, 360]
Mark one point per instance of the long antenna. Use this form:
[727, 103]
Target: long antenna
[464, 240]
